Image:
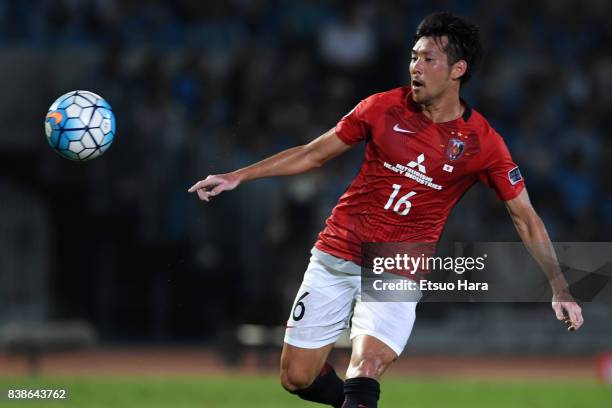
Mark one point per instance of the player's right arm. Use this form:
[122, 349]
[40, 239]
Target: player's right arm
[292, 161]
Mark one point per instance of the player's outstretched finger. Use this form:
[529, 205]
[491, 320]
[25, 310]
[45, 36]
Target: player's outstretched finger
[202, 184]
[195, 187]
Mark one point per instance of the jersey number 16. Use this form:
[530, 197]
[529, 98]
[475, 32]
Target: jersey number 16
[403, 201]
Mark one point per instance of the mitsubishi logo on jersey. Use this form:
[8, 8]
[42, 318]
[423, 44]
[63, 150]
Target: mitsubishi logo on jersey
[418, 164]
[408, 171]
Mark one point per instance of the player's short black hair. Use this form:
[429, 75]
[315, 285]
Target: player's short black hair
[463, 39]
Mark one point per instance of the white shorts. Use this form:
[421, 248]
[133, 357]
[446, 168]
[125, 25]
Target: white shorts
[324, 304]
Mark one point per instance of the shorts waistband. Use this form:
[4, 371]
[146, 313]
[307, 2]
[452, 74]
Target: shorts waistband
[338, 264]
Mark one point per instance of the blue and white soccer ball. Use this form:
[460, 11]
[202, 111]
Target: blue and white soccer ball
[80, 125]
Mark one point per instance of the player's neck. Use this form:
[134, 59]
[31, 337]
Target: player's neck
[444, 109]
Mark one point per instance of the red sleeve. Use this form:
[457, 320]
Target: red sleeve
[353, 127]
[499, 171]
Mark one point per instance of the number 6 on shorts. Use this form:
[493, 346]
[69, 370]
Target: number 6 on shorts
[302, 308]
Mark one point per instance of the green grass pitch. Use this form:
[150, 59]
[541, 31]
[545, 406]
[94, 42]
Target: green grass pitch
[265, 392]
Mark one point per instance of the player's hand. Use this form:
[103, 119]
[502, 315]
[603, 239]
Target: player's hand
[569, 313]
[213, 185]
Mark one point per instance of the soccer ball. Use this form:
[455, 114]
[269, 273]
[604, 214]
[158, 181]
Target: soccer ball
[80, 125]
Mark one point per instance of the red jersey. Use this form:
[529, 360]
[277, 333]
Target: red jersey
[414, 173]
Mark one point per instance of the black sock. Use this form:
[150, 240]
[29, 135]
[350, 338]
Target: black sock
[361, 392]
[327, 388]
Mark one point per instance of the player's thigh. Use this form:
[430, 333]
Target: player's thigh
[322, 307]
[389, 322]
[300, 366]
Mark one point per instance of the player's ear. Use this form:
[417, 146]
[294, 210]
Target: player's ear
[458, 69]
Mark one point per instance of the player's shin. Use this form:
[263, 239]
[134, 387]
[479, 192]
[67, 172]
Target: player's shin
[327, 388]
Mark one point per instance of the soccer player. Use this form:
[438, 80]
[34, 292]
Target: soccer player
[447, 146]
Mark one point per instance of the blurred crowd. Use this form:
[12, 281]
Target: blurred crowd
[205, 87]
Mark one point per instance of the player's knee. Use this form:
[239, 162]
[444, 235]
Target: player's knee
[294, 380]
[371, 366]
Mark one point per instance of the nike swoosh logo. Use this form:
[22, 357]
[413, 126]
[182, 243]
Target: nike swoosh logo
[399, 129]
[55, 115]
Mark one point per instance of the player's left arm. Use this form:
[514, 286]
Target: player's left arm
[533, 233]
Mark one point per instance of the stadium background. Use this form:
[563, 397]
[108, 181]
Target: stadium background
[117, 247]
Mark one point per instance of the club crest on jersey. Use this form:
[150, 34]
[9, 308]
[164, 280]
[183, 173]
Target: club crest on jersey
[455, 149]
